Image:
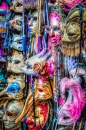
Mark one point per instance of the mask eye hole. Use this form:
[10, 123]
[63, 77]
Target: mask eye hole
[71, 34]
[16, 61]
[8, 113]
[48, 29]
[35, 18]
[12, 90]
[18, 22]
[65, 118]
[19, 42]
[19, 4]
[56, 28]
[36, 117]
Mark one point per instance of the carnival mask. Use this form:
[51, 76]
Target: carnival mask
[54, 29]
[16, 22]
[33, 23]
[70, 3]
[71, 110]
[41, 116]
[14, 90]
[4, 12]
[16, 62]
[72, 32]
[42, 91]
[17, 7]
[12, 110]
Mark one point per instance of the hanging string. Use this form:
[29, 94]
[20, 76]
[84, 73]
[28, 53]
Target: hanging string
[80, 11]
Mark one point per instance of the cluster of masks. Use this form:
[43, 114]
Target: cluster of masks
[43, 51]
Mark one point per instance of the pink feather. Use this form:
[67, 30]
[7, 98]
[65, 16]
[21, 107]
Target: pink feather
[75, 103]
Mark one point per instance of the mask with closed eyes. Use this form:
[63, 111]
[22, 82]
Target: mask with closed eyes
[72, 32]
[42, 92]
[12, 110]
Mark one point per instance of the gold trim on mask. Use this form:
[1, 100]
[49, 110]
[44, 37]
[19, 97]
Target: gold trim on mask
[74, 12]
[72, 34]
[42, 92]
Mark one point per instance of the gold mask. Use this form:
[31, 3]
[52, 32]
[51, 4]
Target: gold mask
[72, 32]
[42, 91]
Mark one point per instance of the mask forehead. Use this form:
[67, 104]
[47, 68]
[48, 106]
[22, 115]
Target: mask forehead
[70, 3]
[75, 13]
[14, 106]
[54, 19]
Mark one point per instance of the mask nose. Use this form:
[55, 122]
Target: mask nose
[30, 24]
[52, 33]
[65, 37]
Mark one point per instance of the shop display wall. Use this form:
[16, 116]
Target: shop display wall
[42, 65]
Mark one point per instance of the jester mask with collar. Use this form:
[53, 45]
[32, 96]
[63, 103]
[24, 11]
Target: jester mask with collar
[74, 35]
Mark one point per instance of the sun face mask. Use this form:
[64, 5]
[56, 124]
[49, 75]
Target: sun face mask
[54, 29]
[14, 90]
[12, 109]
[41, 114]
[42, 91]
[72, 32]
